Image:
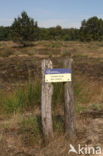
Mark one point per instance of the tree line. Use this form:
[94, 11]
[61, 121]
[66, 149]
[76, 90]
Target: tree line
[25, 29]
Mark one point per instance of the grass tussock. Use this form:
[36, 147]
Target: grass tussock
[29, 96]
[21, 99]
[31, 130]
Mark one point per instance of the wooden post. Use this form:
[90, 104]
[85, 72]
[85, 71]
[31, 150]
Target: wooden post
[46, 100]
[69, 104]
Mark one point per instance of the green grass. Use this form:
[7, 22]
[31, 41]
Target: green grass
[53, 44]
[22, 98]
[81, 92]
[79, 108]
[29, 96]
[96, 106]
[33, 124]
[58, 124]
[58, 98]
[31, 130]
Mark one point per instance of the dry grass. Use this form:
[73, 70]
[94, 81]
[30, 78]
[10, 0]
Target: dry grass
[92, 49]
[19, 64]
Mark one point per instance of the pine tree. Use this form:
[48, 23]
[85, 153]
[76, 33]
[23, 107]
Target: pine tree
[23, 29]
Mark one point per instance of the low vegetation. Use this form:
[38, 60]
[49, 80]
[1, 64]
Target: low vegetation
[20, 94]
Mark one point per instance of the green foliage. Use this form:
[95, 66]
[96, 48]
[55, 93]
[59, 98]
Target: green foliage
[23, 29]
[92, 29]
[4, 33]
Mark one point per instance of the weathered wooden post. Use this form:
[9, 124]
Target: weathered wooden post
[69, 103]
[46, 100]
[50, 76]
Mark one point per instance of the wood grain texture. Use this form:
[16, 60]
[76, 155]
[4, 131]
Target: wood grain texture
[46, 101]
[69, 103]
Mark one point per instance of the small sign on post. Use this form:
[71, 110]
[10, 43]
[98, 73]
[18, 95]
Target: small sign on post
[57, 75]
[49, 76]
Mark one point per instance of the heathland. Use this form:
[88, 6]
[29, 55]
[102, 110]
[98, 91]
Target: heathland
[20, 96]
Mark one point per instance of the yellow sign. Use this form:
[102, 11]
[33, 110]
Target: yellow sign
[57, 75]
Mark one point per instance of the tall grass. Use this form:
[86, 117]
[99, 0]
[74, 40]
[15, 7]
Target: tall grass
[22, 98]
[31, 130]
[58, 123]
[81, 90]
[58, 99]
[29, 96]
[33, 124]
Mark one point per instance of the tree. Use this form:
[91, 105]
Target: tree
[92, 29]
[23, 29]
[4, 33]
